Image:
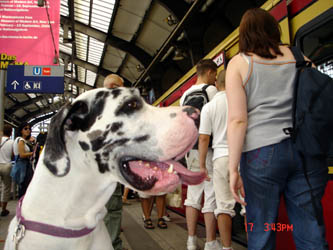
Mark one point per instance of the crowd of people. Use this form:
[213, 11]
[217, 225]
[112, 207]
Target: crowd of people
[251, 160]
[17, 160]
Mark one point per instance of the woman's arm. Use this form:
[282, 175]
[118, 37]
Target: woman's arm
[237, 123]
[21, 149]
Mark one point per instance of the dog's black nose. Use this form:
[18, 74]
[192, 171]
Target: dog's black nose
[194, 114]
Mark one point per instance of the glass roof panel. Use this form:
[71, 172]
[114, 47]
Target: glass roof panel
[83, 18]
[73, 68]
[101, 13]
[81, 45]
[91, 77]
[74, 89]
[95, 51]
[64, 8]
[39, 103]
[65, 48]
[81, 11]
[61, 33]
[81, 74]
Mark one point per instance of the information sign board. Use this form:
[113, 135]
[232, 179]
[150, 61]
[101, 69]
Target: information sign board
[35, 79]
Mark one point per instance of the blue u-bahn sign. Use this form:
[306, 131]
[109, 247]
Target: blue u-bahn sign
[35, 79]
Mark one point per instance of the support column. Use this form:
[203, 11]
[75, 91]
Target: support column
[2, 99]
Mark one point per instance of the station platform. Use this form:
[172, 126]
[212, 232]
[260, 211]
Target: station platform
[134, 235]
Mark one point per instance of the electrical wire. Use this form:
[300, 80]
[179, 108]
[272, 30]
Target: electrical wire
[48, 17]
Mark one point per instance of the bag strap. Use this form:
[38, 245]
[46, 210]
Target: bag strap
[4, 142]
[204, 90]
[318, 215]
[16, 142]
[300, 62]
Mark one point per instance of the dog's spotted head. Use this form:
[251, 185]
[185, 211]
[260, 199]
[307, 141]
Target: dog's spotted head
[114, 132]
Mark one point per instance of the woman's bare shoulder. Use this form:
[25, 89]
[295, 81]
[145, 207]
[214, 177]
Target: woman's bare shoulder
[235, 62]
[236, 59]
[238, 64]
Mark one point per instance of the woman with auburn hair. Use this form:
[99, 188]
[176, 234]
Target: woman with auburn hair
[259, 86]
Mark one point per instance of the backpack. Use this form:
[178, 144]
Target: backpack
[198, 99]
[312, 115]
[312, 130]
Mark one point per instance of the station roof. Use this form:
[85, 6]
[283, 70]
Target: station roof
[150, 43]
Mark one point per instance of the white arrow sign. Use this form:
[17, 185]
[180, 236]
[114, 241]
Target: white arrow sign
[15, 83]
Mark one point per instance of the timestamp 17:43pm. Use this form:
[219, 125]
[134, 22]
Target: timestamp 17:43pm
[277, 227]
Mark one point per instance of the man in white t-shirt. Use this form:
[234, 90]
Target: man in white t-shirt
[206, 73]
[213, 121]
[6, 153]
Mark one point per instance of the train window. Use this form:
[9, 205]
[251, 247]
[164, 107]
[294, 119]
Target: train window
[326, 68]
[315, 40]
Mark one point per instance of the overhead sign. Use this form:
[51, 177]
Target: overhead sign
[25, 32]
[220, 59]
[35, 79]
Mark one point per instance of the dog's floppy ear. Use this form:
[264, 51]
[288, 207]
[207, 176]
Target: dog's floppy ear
[76, 117]
[70, 117]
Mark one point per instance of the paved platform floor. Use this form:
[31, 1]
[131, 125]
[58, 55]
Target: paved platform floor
[135, 236]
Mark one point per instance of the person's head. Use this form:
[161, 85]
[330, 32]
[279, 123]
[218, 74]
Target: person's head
[259, 33]
[24, 130]
[206, 70]
[7, 130]
[220, 81]
[113, 81]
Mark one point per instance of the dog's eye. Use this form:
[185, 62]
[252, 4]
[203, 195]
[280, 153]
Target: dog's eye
[130, 106]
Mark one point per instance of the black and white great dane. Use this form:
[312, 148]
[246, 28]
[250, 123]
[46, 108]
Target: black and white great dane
[105, 136]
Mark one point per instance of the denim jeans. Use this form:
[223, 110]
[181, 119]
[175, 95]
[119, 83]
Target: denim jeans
[271, 171]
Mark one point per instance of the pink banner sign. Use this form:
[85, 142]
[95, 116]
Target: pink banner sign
[25, 32]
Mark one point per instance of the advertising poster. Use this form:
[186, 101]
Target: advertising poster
[25, 33]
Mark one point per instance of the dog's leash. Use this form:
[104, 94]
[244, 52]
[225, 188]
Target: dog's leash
[43, 228]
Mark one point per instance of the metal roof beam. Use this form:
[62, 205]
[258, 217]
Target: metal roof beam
[121, 44]
[39, 112]
[77, 83]
[195, 7]
[176, 7]
[79, 62]
[134, 38]
[20, 105]
[42, 118]
[88, 66]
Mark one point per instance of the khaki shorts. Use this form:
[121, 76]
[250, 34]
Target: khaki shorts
[225, 202]
[6, 179]
[195, 192]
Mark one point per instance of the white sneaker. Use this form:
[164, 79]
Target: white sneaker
[213, 245]
[192, 243]
[166, 218]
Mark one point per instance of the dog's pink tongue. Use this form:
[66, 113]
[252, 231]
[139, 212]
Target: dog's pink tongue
[188, 177]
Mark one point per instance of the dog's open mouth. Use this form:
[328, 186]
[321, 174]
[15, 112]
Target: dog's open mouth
[156, 177]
